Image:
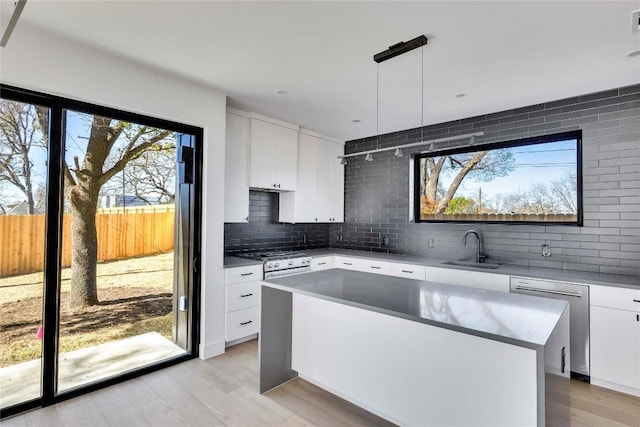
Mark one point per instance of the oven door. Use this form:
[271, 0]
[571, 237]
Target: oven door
[287, 272]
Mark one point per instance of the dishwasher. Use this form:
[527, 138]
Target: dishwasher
[578, 298]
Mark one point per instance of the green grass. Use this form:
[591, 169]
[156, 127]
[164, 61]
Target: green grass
[19, 343]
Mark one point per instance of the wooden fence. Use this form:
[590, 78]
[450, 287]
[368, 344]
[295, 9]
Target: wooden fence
[122, 233]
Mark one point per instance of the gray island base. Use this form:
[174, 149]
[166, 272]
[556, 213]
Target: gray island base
[419, 353]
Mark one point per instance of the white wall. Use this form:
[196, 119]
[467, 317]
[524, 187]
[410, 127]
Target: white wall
[40, 62]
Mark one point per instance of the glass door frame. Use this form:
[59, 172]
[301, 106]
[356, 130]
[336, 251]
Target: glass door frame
[53, 242]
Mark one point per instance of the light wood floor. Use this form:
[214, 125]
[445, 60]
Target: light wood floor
[222, 391]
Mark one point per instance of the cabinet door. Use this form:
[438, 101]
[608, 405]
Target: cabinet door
[306, 200]
[242, 323]
[262, 164]
[321, 263]
[337, 183]
[409, 271]
[347, 263]
[236, 184]
[324, 199]
[473, 279]
[615, 349]
[377, 267]
[286, 162]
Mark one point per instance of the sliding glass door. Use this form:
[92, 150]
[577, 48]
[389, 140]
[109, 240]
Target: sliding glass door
[23, 180]
[117, 243]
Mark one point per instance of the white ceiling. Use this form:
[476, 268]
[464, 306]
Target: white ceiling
[502, 55]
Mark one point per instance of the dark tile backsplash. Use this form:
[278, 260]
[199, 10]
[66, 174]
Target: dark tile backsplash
[263, 232]
[377, 193]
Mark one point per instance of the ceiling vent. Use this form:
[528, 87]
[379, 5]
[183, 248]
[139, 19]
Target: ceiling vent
[635, 21]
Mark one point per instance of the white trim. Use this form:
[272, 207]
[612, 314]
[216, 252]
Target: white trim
[318, 135]
[273, 121]
[213, 349]
[237, 112]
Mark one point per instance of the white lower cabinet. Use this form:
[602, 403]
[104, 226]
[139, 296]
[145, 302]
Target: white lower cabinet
[242, 303]
[377, 267]
[242, 323]
[322, 263]
[348, 263]
[615, 338]
[473, 279]
[409, 271]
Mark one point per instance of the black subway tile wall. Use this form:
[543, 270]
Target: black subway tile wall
[264, 233]
[377, 195]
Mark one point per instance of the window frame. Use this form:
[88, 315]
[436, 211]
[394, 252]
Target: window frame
[58, 105]
[562, 136]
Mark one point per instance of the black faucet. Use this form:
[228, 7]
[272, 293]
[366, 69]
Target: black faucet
[480, 256]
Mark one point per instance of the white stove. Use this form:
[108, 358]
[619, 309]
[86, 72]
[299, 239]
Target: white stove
[282, 263]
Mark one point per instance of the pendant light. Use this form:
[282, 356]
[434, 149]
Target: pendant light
[393, 51]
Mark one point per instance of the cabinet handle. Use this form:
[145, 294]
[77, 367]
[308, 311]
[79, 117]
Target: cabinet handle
[316, 219]
[636, 300]
[563, 358]
[322, 263]
[245, 295]
[375, 267]
[347, 263]
[638, 317]
[407, 271]
[549, 291]
[246, 218]
[245, 323]
[246, 274]
[278, 185]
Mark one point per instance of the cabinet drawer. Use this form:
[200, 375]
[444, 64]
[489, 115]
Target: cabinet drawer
[250, 273]
[376, 266]
[348, 263]
[243, 295]
[612, 297]
[242, 323]
[321, 263]
[410, 271]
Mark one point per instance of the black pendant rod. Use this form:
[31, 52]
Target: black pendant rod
[400, 48]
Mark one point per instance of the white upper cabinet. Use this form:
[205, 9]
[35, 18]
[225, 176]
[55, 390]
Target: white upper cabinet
[319, 196]
[273, 154]
[236, 183]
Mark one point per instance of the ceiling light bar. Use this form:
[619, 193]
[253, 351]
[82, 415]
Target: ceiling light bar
[431, 144]
[19, 5]
[400, 48]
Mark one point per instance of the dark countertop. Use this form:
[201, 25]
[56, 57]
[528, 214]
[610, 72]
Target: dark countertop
[513, 318]
[573, 276]
[234, 261]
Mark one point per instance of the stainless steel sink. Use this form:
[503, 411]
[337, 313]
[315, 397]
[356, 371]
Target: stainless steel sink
[486, 265]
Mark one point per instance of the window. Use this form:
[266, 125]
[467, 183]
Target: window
[527, 181]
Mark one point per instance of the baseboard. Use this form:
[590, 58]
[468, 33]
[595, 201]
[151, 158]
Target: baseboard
[212, 349]
[614, 386]
[241, 340]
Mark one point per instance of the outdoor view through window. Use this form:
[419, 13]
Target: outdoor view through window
[533, 181]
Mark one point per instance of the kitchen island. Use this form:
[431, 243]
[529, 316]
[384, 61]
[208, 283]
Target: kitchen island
[417, 352]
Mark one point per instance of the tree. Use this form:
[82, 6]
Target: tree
[151, 177]
[558, 196]
[479, 166]
[20, 132]
[565, 190]
[461, 205]
[114, 144]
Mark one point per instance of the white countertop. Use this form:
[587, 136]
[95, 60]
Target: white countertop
[514, 318]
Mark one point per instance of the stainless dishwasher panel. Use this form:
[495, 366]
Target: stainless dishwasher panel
[578, 298]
